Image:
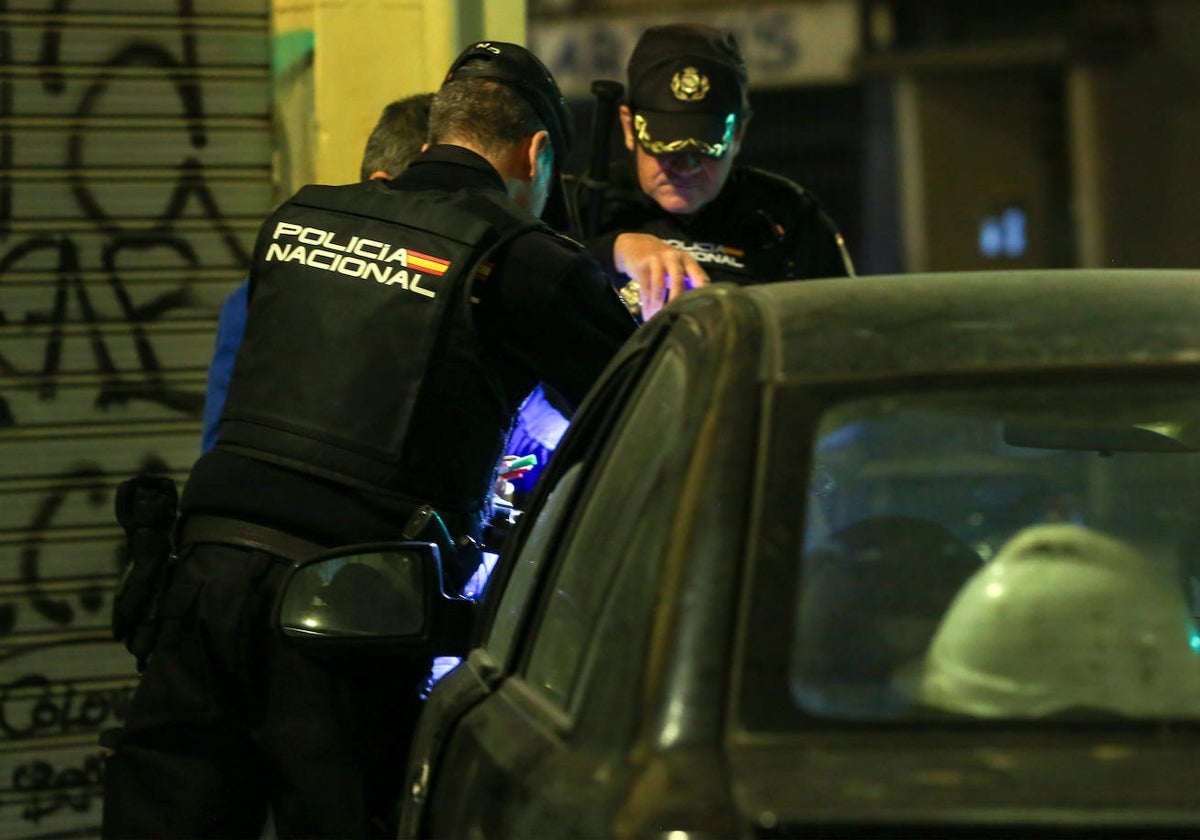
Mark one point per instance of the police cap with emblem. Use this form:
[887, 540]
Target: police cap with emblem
[519, 69]
[687, 89]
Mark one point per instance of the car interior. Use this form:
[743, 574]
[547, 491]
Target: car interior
[999, 552]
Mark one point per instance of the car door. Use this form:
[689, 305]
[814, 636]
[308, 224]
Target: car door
[461, 777]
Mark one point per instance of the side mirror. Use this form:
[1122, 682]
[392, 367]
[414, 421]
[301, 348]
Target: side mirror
[378, 599]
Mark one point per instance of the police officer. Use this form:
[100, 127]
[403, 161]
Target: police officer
[395, 140]
[394, 328]
[684, 123]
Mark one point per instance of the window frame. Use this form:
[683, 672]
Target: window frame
[574, 549]
[761, 670]
[580, 449]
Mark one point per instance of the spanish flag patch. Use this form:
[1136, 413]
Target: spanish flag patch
[432, 265]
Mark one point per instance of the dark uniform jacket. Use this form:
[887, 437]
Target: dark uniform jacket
[545, 312]
[760, 228]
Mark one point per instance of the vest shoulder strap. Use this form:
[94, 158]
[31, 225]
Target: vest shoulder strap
[506, 221]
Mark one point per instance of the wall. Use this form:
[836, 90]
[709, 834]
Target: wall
[975, 144]
[337, 64]
[134, 168]
[1087, 120]
[784, 44]
[1150, 125]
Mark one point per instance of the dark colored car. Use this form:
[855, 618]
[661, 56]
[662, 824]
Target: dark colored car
[897, 556]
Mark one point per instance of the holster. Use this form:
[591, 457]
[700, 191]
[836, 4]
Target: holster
[146, 507]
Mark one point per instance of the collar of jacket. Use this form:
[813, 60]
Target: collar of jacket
[448, 168]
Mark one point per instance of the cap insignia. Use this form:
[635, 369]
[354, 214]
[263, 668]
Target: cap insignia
[688, 144]
[689, 85]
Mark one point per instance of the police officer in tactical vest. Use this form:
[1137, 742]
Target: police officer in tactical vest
[394, 328]
[686, 116]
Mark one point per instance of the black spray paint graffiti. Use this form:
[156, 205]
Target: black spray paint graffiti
[84, 283]
[74, 788]
[190, 186]
[34, 706]
[90, 481]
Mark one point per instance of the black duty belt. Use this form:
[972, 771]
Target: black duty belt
[224, 530]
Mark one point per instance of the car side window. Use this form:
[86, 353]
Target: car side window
[524, 565]
[511, 608]
[594, 550]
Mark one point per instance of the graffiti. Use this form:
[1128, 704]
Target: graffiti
[33, 706]
[87, 480]
[56, 316]
[73, 788]
[85, 300]
[90, 481]
[190, 188]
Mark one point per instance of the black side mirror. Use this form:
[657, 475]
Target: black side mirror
[378, 599]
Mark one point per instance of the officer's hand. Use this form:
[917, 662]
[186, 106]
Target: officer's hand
[662, 271]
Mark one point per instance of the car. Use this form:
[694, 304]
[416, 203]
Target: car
[887, 556]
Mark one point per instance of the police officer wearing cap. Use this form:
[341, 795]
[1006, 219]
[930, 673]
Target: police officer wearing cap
[394, 328]
[684, 122]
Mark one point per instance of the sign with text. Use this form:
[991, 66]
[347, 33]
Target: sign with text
[784, 45]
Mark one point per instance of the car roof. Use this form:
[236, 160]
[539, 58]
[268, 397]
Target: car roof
[919, 324]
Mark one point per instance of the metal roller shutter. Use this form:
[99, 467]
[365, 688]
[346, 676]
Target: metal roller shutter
[135, 166]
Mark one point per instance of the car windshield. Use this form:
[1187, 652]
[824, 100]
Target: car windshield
[1016, 553]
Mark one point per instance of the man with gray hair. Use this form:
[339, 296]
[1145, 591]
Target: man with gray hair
[397, 137]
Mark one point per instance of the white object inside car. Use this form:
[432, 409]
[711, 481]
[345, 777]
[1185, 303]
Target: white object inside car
[1065, 617]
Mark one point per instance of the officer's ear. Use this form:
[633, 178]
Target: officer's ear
[627, 126]
[539, 153]
[739, 133]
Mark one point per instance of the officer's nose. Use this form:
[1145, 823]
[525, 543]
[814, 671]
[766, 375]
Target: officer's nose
[685, 162]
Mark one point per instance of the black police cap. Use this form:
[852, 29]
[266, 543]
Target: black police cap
[521, 70]
[687, 88]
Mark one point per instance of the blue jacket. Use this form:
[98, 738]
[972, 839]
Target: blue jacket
[230, 326]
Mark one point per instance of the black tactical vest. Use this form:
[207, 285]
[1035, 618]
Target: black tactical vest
[354, 290]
